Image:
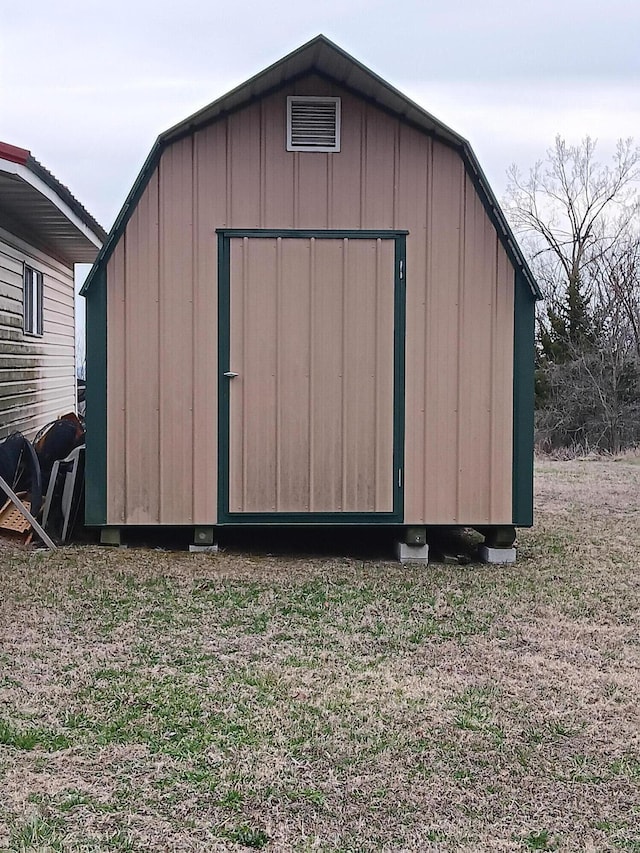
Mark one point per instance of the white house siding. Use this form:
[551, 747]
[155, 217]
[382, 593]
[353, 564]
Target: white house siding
[37, 374]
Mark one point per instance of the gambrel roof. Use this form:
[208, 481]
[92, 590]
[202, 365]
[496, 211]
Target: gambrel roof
[324, 58]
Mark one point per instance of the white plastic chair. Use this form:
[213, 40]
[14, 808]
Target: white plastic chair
[67, 491]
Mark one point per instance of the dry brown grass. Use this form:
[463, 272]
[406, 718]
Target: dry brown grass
[165, 701]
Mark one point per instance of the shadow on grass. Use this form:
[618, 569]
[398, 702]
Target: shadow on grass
[360, 543]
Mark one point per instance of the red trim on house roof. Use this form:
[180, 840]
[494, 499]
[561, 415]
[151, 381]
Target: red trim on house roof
[13, 153]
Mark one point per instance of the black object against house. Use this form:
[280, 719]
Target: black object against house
[56, 441]
[20, 468]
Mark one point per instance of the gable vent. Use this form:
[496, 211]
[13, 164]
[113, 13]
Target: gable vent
[313, 124]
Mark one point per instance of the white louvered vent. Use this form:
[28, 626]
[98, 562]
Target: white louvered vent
[313, 124]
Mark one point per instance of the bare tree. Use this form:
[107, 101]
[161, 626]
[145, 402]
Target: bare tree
[570, 211]
[618, 282]
[579, 224]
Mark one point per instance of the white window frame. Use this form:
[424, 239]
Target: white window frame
[33, 301]
[291, 99]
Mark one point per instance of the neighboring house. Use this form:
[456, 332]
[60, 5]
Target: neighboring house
[44, 231]
[311, 310]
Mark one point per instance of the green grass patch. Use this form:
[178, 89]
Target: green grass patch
[539, 840]
[32, 737]
[247, 836]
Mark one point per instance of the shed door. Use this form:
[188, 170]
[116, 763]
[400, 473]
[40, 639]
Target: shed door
[310, 427]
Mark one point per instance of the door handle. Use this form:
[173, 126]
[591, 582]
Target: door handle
[231, 374]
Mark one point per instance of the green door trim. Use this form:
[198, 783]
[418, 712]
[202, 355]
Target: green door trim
[396, 516]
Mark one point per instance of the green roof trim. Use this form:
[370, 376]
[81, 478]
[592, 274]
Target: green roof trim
[321, 56]
[123, 217]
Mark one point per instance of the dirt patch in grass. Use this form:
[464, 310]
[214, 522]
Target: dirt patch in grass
[164, 701]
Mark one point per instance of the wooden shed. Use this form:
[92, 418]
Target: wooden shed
[311, 310]
[44, 231]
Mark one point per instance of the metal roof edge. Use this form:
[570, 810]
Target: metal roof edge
[505, 232]
[248, 91]
[313, 47]
[22, 164]
[125, 213]
[67, 197]
[189, 123]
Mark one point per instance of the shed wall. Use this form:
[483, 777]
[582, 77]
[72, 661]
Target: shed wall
[37, 374]
[236, 173]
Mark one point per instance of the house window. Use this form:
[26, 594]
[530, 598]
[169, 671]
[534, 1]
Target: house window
[33, 307]
[313, 124]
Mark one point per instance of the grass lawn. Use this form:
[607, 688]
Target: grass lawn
[166, 701]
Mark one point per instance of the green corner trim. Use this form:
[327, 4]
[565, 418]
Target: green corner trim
[523, 401]
[225, 517]
[96, 396]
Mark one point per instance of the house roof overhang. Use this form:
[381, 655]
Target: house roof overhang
[35, 206]
[323, 57]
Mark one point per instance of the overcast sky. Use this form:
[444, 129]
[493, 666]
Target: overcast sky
[87, 86]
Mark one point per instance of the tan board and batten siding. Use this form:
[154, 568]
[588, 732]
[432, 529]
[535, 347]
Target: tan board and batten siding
[236, 173]
[37, 374]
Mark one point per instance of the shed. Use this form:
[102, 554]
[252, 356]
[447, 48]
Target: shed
[44, 231]
[310, 310]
